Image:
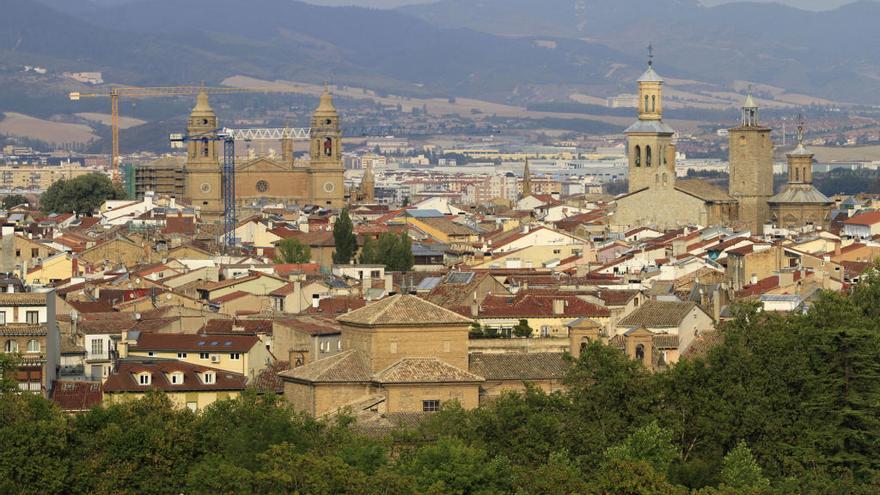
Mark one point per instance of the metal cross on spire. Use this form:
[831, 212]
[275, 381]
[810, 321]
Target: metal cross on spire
[650, 55]
[800, 129]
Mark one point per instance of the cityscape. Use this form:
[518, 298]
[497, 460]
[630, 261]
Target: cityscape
[406, 247]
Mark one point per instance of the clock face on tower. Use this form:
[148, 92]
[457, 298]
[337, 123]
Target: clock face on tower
[262, 186]
[329, 187]
[205, 187]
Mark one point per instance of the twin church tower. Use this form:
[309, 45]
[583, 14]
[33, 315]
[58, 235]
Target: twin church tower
[262, 179]
[656, 197]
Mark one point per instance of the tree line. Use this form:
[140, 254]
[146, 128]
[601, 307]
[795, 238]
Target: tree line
[783, 404]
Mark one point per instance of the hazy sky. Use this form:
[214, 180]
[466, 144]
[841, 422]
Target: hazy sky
[803, 4]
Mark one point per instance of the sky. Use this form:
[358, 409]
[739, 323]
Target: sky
[803, 4]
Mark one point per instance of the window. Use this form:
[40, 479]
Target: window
[430, 405]
[144, 378]
[557, 251]
[640, 352]
[33, 346]
[2, 317]
[374, 274]
[235, 356]
[648, 156]
[10, 346]
[151, 354]
[338, 345]
[394, 348]
[18, 253]
[32, 317]
[653, 103]
[35, 252]
[797, 175]
[97, 347]
[638, 155]
[204, 356]
[176, 378]
[192, 406]
[209, 378]
[646, 103]
[181, 355]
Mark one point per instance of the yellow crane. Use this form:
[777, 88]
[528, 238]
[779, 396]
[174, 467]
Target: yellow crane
[140, 92]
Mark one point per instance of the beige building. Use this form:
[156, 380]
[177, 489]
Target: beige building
[163, 176]
[39, 177]
[800, 204]
[655, 196]
[321, 182]
[400, 354]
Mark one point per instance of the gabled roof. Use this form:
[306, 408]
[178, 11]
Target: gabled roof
[403, 309]
[658, 314]
[124, 379]
[867, 218]
[424, 370]
[346, 367]
[194, 342]
[527, 366]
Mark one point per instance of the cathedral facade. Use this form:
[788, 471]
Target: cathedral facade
[267, 179]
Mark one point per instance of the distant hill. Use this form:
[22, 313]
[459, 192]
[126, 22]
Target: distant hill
[831, 54]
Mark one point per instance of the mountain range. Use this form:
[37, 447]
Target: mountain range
[516, 51]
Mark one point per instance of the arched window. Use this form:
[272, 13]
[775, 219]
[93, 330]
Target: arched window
[663, 155]
[646, 103]
[33, 346]
[640, 352]
[653, 103]
[328, 147]
[647, 156]
[204, 147]
[656, 178]
[665, 178]
[797, 174]
[10, 346]
[638, 155]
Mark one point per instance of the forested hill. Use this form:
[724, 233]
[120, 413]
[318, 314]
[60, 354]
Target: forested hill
[780, 405]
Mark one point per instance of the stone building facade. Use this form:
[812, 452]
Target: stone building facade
[751, 168]
[800, 205]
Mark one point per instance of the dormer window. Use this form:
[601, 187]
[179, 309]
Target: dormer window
[144, 378]
[209, 377]
[176, 378]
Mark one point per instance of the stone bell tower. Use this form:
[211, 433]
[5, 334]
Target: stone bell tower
[202, 173]
[325, 152]
[751, 167]
[651, 153]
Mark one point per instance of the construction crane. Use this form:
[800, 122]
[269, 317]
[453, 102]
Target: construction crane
[228, 137]
[115, 93]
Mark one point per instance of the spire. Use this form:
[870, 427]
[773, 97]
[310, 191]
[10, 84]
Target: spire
[749, 111]
[527, 181]
[800, 149]
[650, 75]
[650, 55]
[326, 103]
[202, 105]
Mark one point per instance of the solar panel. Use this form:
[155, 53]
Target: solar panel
[460, 278]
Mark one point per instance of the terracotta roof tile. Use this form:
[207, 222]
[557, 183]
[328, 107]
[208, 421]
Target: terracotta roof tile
[345, 367]
[124, 379]
[658, 314]
[424, 370]
[520, 366]
[75, 396]
[403, 309]
[194, 342]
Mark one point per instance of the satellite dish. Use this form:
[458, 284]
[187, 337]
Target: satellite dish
[137, 316]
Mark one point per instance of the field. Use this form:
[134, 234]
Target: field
[16, 124]
[846, 153]
[105, 119]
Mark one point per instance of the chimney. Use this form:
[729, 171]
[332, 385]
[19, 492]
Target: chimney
[74, 265]
[837, 250]
[559, 306]
[786, 278]
[754, 279]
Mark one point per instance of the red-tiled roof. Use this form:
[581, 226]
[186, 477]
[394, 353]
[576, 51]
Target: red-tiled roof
[867, 218]
[125, 378]
[230, 297]
[74, 396]
[525, 305]
[180, 225]
[238, 326]
[338, 305]
[195, 342]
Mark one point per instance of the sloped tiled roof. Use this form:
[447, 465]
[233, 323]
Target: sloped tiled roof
[72, 396]
[424, 370]
[194, 342]
[124, 378]
[800, 194]
[22, 298]
[703, 190]
[345, 367]
[520, 366]
[403, 309]
[658, 314]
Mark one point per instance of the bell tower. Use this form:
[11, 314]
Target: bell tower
[650, 150]
[325, 153]
[751, 167]
[202, 174]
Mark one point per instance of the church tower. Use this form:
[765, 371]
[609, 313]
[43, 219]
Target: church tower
[368, 185]
[202, 173]
[325, 167]
[751, 168]
[649, 140]
[526, 182]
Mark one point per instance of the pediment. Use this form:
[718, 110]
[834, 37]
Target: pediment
[263, 164]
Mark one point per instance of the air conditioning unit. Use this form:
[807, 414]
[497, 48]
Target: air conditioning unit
[215, 358]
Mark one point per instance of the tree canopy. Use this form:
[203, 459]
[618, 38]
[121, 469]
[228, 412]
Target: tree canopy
[783, 404]
[292, 251]
[392, 250]
[83, 194]
[344, 239]
[14, 200]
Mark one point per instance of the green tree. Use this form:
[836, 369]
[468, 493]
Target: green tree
[14, 200]
[34, 456]
[292, 251]
[522, 329]
[450, 466]
[83, 194]
[344, 239]
[741, 471]
[627, 477]
[286, 471]
[650, 444]
[392, 250]
[370, 254]
[559, 475]
[8, 368]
